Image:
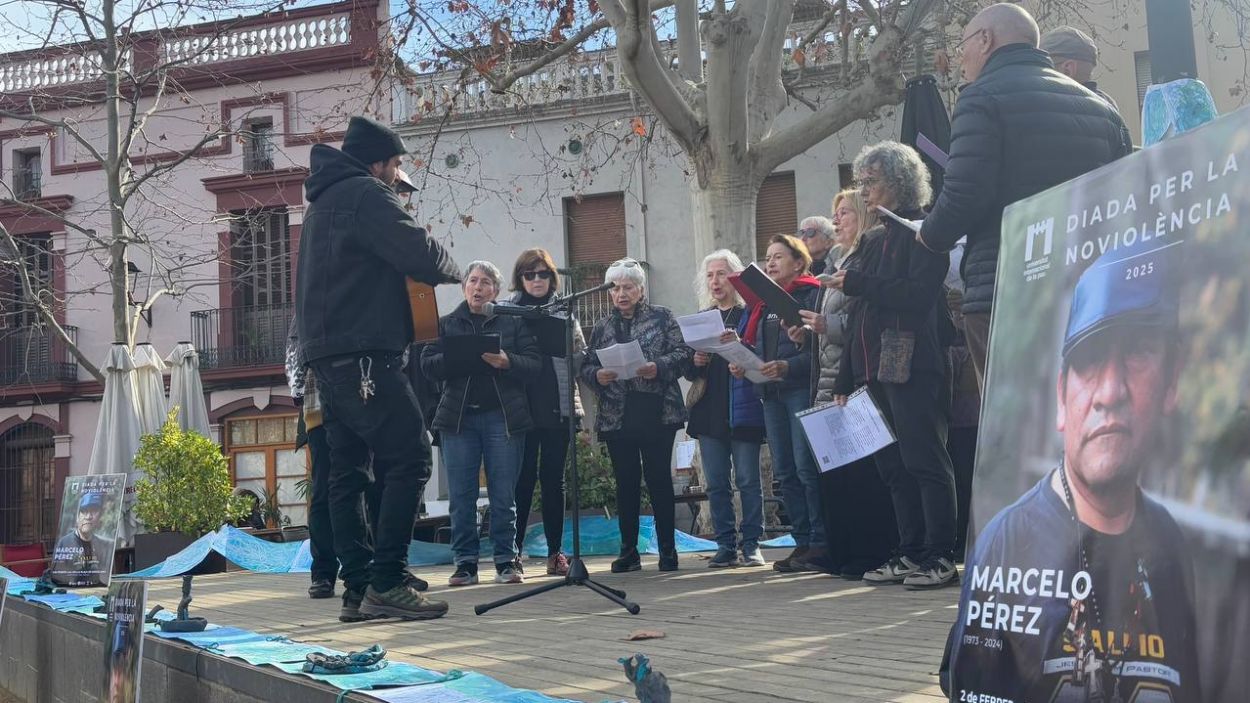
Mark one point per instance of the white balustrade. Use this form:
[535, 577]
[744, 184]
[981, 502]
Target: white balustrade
[295, 35]
[50, 72]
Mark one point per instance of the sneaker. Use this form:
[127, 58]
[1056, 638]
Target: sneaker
[935, 572]
[402, 601]
[350, 612]
[786, 566]
[668, 560]
[466, 575]
[415, 581]
[628, 561]
[893, 571]
[815, 559]
[557, 565]
[518, 566]
[725, 558]
[321, 588]
[752, 556]
[508, 572]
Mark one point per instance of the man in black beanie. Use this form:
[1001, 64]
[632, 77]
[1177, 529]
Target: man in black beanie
[357, 246]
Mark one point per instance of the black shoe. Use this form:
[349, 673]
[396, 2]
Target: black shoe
[350, 612]
[418, 583]
[628, 561]
[815, 559]
[321, 588]
[786, 566]
[668, 560]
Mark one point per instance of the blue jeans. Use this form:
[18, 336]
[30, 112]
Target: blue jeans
[483, 439]
[794, 466]
[717, 454]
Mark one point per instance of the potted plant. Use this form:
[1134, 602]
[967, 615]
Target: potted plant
[186, 494]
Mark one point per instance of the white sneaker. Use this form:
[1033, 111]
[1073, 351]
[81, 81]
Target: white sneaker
[508, 573]
[933, 573]
[896, 570]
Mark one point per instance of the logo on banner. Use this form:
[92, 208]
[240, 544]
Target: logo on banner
[1038, 245]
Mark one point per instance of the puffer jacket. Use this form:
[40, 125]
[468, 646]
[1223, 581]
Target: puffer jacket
[356, 248]
[549, 393]
[525, 364]
[836, 310]
[1020, 128]
[773, 344]
[659, 335]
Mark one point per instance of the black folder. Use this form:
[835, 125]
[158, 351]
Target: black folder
[779, 302]
[462, 354]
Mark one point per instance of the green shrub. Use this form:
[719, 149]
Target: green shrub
[187, 485]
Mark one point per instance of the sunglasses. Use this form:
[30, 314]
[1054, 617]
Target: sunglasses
[808, 233]
[625, 263]
[533, 275]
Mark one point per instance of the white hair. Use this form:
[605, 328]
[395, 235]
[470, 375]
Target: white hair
[821, 224]
[487, 268]
[700, 277]
[626, 269]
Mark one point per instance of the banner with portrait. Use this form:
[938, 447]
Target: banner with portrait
[91, 511]
[127, 601]
[1112, 532]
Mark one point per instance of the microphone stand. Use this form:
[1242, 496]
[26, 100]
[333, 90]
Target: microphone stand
[578, 575]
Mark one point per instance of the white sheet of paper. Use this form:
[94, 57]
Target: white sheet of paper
[701, 327]
[683, 454]
[426, 693]
[913, 225]
[738, 354]
[839, 435]
[624, 358]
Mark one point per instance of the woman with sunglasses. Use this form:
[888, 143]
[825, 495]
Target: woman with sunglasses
[639, 417]
[535, 281]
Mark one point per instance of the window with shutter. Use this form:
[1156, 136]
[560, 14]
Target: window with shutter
[1141, 66]
[595, 228]
[775, 211]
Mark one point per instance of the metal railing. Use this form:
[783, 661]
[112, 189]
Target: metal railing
[257, 152]
[34, 355]
[27, 184]
[594, 307]
[233, 338]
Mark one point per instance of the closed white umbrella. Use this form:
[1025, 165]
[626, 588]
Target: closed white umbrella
[186, 392]
[117, 431]
[149, 379]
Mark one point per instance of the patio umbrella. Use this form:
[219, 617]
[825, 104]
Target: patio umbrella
[149, 388]
[924, 113]
[117, 431]
[185, 390]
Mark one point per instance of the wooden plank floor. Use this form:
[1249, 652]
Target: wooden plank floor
[741, 635]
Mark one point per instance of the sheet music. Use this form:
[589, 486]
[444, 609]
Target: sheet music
[913, 225]
[701, 332]
[839, 435]
[625, 359]
[683, 453]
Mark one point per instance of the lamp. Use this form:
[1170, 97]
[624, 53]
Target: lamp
[132, 274]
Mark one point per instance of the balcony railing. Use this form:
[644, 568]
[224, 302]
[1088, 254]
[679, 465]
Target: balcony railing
[27, 184]
[257, 153]
[237, 338]
[34, 356]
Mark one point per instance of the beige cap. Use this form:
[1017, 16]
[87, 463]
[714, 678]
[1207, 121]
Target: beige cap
[1070, 43]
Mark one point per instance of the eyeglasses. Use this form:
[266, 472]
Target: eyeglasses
[867, 181]
[967, 39]
[532, 275]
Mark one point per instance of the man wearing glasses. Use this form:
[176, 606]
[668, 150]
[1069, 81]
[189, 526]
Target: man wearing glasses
[1019, 128]
[817, 233]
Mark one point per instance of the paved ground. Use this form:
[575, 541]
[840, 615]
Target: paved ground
[741, 635]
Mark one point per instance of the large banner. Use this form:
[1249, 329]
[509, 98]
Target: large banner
[90, 516]
[1112, 552]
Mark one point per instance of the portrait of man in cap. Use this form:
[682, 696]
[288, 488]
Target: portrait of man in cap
[1082, 590]
[81, 557]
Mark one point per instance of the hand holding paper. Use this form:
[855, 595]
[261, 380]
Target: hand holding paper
[705, 333]
[623, 359]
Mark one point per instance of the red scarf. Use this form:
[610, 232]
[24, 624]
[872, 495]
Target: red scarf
[757, 312]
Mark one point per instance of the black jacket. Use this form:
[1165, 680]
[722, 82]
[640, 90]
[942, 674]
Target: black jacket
[1020, 128]
[356, 248]
[773, 344]
[526, 363]
[899, 286]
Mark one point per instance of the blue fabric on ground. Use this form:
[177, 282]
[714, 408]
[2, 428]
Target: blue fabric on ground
[255, 554]
[212, 637]
[782, 541]
[396, 674]
[180, 563]
[18, 584]
[470, 688]
[601, 536]
[434, 554]
[64, 602]
[271, 651]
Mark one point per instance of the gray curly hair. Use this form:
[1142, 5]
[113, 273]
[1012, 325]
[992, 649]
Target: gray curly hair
[901, 171]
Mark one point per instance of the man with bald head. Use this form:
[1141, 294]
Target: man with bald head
[1019, 128]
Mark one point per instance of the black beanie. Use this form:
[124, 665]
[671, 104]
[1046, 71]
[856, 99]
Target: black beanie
[370, 141]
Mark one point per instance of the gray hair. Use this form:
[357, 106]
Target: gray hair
[487, 268]
[700, 279]
[902, 172]
[818, 223]
[626, 269]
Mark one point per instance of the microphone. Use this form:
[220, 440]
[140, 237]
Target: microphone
[512, 310]
[566, 298]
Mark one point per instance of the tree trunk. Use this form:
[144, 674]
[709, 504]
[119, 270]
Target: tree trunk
[724, 213]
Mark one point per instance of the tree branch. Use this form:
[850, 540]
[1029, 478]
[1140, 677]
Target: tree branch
[133, 187]
[60, 124]
[766, 91]
[824, 22]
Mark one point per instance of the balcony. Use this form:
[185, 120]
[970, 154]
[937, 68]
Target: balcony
[258, 152]
[33, 356]
[27, 184]
[241, 338]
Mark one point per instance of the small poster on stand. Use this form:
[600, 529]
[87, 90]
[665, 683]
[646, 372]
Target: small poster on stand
[127, 601]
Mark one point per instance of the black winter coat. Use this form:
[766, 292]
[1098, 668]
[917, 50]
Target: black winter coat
[356, 248]
[526, 364]
[1020, 128]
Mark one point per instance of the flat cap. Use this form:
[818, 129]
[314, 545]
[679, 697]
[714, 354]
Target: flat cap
[1070, 43]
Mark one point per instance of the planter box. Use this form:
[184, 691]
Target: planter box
[154, 547]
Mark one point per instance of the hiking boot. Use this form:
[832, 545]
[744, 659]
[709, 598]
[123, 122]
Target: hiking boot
[415, 581]
[557, 565]
[628, 561]
[726, 557]
[321, 588]
[815, 559]
[668, 560]
[893, 571]
[935, 572]
[752, 556]
[403, 602]
[786, 566]
[465, 575]
[508, 572]
[350, 612]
